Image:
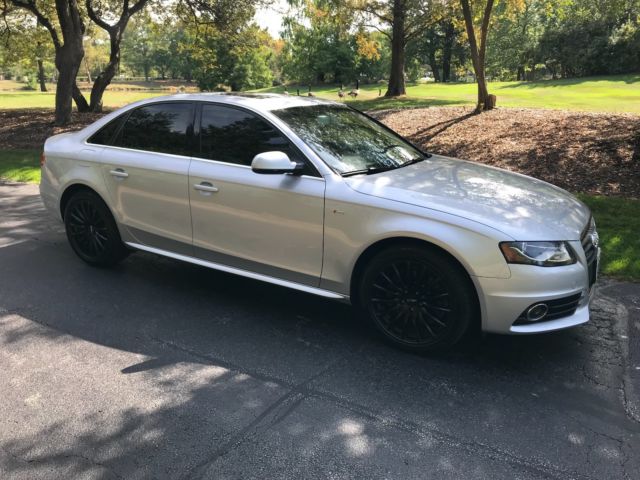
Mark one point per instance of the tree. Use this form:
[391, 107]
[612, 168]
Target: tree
[405, 19]
[590, 37]
[441, 43]
[320, 46]
[222, 60]
[478, 52]
[26, 50]
[96, 13]
[137, 47]
[68, 46]
[64, 21]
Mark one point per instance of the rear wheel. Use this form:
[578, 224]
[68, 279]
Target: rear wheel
[92, 231]
[417, 298]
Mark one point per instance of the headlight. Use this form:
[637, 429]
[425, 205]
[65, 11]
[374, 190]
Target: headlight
[542, 254]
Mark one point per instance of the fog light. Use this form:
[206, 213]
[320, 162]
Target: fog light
[537, 312]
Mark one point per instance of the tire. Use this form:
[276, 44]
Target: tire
[92, 231]
[417, 298]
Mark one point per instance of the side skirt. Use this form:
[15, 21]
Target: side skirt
[244, 273]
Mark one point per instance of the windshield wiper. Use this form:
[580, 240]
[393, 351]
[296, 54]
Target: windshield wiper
[369, 171]
[415, 160]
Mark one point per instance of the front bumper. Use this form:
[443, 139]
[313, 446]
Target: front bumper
[502, 301]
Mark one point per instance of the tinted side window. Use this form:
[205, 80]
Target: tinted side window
[106, 133]
[235, 136]
[162, 127]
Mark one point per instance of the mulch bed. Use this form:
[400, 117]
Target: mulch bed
[594, 153]
[29, 128]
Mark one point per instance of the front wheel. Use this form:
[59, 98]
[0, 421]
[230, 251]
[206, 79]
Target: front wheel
[92, 231]
[417, 298]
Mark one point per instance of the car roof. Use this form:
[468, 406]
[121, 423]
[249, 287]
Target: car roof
[257, 101]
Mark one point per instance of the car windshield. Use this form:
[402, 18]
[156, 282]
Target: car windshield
[348, 141]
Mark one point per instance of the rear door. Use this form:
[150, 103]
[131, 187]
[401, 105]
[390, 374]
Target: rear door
[146, 169]
[269, 224]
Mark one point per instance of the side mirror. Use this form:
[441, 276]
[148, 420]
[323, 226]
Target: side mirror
[274, 162]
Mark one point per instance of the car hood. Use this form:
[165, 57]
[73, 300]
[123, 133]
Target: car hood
[522, 207]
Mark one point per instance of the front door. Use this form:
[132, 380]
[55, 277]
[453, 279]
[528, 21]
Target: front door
[269, 224]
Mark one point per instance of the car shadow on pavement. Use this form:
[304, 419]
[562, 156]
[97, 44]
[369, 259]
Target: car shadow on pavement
[158, 368]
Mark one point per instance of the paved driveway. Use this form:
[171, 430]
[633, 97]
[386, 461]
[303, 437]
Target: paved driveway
[158, 369]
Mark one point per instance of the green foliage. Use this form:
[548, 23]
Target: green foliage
[324, 44]
[239, 62]
[571, 38]
[32, 83]
[22, 43]
[137, 46]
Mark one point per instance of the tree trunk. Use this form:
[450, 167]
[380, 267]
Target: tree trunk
[485, 101]
[103, 80]
[483, 91]
[41, 78]
[447, 50]
[68, 60]
[396, 78]
[434, 66]
[81, 103]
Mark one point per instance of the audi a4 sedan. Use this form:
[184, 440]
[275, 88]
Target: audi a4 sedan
[316, 196]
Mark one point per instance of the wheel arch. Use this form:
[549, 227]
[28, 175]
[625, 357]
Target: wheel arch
[72, 189]
[372, 250]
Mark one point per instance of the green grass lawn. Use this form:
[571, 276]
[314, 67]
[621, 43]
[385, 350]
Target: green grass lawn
[603, 94]
[20, 165]
[618, 223]
[618, 219]
[26, 99]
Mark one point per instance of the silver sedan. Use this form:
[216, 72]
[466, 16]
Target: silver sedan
[316, 196]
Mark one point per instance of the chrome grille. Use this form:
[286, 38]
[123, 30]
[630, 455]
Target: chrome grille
[590, 249]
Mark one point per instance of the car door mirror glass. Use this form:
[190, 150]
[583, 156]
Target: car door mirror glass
[273, 163]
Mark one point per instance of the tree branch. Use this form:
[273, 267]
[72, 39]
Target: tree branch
[30, 5]
[139, 5]
[95, 18]
[369, 10]
[384, 32]
[485, 28]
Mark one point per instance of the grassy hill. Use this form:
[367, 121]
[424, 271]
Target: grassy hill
[602, 94]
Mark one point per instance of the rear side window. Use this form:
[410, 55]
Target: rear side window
[236, 136]
[161, 127]
[106, 133]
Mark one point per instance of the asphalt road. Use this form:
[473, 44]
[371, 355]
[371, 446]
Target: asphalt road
[158, 369]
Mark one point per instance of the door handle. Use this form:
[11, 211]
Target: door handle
[118, 172]
[205, 187]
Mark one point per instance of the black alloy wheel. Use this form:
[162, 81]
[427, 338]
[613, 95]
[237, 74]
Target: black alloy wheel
[92, 231]
[417, 298]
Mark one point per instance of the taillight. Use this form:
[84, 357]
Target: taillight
[42, 160]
